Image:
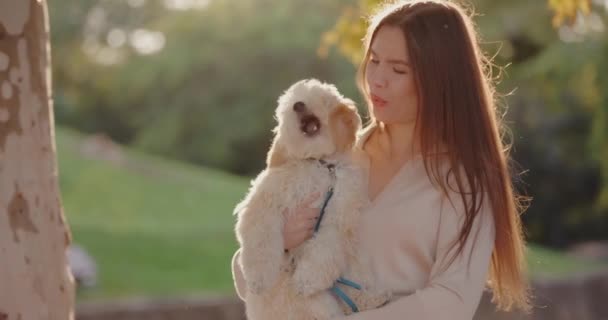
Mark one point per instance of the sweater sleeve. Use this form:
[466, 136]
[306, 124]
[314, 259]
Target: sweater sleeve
[237, 276]
[454, 289]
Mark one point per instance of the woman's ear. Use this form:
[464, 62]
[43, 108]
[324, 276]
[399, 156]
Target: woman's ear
[277, 155]
[344, 123]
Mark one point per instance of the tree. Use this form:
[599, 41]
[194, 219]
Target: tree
[35, 281]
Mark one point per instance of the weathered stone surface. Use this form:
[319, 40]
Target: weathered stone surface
[582, 297]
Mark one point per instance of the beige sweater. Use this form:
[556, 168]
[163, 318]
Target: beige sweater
[405, 235]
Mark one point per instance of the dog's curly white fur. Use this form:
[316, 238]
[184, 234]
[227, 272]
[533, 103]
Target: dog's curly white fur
[314, 122]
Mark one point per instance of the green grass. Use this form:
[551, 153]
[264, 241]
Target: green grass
[160, 228]
[543, 262]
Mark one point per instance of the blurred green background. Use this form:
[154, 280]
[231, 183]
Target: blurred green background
[150, 171]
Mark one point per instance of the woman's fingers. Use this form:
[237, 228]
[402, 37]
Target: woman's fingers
[312, 198]
[303, 235]
[296, 237]
[311, 214]
[306, 234]
[308, 220]
[304, 224]
[300, 225]
[309, 224]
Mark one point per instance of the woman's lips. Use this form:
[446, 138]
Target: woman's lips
[377, 101]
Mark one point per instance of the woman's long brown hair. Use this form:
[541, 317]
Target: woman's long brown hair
[458, 111]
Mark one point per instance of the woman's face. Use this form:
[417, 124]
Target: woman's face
[389, 78]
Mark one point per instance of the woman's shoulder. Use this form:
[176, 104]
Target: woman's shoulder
[362, 136]
[358, 153]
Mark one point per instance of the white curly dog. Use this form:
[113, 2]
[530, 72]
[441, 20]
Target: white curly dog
[311, 153]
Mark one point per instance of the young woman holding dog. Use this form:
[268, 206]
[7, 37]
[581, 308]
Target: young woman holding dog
[443, 219]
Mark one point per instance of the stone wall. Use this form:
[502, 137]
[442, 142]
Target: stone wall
[583, 297]
[220, 308]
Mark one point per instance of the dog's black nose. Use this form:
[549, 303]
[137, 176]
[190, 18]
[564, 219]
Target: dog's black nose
[299, 107]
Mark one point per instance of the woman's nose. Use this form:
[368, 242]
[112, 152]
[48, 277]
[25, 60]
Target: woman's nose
[378, 80]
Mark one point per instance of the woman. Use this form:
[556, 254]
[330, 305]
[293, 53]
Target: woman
[443, 217]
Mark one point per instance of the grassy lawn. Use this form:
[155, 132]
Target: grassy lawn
[548, 263]
[164, 229]
[159, 228]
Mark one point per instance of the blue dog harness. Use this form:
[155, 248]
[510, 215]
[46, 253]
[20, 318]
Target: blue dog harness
[335, 288]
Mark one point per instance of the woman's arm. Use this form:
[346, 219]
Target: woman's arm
[454, 290]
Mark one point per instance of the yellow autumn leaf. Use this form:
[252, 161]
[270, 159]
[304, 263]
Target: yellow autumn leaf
[568, 10]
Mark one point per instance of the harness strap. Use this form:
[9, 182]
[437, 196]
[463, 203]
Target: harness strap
[338, 292]
[335, 289]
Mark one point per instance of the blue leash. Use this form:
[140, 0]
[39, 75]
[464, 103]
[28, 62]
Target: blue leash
[335, 289]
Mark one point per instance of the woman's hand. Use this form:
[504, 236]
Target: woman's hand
[300, 224]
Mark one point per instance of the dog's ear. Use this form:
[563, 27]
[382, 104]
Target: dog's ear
[277, 155]
[344, 124]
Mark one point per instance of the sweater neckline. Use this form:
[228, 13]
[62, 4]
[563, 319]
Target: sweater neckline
[365, 160]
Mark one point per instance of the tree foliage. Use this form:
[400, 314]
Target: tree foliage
[201, 84]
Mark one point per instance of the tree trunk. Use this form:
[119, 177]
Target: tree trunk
[35, 280]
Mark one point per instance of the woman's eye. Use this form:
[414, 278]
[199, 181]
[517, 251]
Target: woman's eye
[374, 61]
[399, 71]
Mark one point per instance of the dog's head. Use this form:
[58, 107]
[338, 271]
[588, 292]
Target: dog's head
[314, 121]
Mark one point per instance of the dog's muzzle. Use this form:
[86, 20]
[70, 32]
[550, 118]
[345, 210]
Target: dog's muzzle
[309, 123]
